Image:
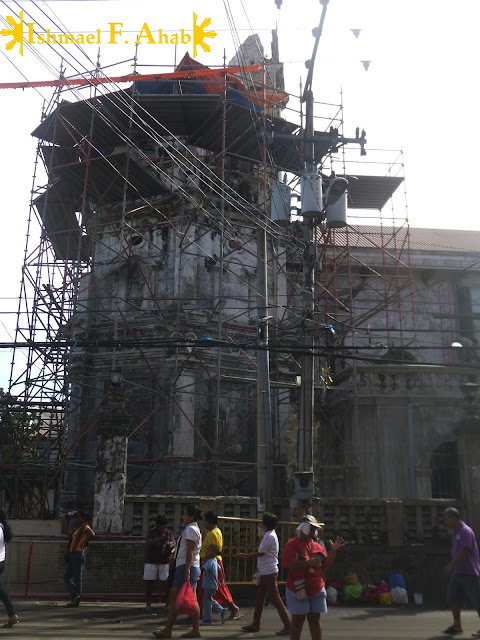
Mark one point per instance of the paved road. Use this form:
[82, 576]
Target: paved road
[129, 621]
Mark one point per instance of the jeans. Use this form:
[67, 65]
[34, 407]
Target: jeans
[268, 587]
[209, 604]
[4, 595]
[73, 577]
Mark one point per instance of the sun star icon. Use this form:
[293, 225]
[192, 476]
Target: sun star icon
[16, 31]
[199, 34]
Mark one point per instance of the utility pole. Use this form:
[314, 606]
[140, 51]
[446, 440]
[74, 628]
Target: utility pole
[264, 402]
[314, 209]
[264, 405]
[311, 192]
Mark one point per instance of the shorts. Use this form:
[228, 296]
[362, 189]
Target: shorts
[464, 588]
[312, 604]
[155, 571]
[179, 578]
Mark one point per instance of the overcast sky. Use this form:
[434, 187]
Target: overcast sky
[420, 93]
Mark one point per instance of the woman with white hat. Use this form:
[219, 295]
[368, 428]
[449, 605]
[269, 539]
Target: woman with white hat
[306, 560]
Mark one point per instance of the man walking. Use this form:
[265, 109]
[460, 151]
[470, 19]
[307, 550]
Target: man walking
[160, 545]
[73, 577]
[463, 569]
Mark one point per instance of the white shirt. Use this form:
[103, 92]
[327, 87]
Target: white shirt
[191, 532]
[2, 544]
[268, 563]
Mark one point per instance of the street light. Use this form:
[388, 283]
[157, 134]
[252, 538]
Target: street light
[463, 342]
[336, 203]
[336, 189]
[115, 378]
[469, 390]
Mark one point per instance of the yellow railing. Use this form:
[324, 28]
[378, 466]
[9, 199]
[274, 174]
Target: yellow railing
[243, 535]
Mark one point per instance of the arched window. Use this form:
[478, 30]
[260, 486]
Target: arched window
[445, 472]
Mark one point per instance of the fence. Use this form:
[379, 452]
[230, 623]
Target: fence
[114, 565]
[243, 535]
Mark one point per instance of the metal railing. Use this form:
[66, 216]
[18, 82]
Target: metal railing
[114, 565]
[35, 565]
[243, 535]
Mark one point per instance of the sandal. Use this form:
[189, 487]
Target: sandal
[159, 634]
[283, 632]
[451, 631]
[190, 634]
[476, 634]
[250, 629]
[9, 624]
[74, 603]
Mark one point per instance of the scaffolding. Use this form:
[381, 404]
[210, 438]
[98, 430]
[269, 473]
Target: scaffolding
[142, 257]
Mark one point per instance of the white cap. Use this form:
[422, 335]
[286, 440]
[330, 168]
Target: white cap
[307, 522]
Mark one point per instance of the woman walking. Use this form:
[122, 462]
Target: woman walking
[187, 568]
[306, 560]
[5, 536]
[267, 568]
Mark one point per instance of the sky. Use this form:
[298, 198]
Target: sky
[419, 94]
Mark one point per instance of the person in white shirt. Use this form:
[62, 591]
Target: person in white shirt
[267, 572]
[187, 567]
[5, 536]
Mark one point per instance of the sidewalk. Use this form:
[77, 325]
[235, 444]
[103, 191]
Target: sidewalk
[128, 621]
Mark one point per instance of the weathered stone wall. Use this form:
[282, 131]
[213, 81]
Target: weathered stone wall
[388, 434]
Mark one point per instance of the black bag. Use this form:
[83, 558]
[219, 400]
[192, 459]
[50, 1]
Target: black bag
[7, 532]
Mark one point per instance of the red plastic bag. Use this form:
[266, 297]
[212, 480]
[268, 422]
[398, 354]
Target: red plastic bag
[186, 602]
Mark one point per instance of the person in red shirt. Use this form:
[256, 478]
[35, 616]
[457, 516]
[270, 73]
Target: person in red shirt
[306, 560]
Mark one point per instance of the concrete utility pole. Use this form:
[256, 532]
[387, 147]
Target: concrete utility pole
[304, 478]
[264, 405]
[264, 401]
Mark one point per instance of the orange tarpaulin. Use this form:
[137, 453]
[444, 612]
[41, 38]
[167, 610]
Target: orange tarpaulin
[132, 77]
[188, 68]
[215, 82]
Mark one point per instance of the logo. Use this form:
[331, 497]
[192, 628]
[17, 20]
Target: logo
[16, 31]
[147, 35]
[199, 34]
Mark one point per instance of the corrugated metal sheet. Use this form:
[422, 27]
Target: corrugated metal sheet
[198, 118]
[106, 180]
[371, 192]
[441, 240]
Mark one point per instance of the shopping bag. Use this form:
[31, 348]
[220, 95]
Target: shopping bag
[186, 602]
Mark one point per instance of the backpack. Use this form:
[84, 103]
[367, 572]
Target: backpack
[7, 532]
